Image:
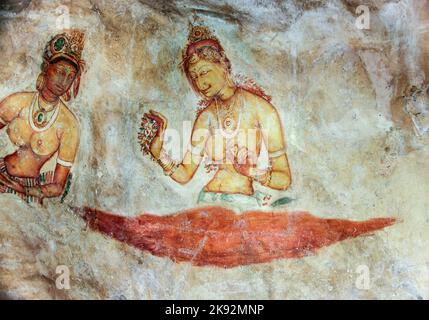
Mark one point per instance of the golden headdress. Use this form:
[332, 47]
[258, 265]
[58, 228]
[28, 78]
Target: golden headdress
[68, 45]
[200, 36]
[199, 33]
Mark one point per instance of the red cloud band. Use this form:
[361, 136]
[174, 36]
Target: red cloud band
[215, 236]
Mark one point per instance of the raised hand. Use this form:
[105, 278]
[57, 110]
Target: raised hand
[245, 161]
[157, 142]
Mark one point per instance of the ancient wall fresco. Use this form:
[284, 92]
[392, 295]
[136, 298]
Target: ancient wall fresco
[206, 149]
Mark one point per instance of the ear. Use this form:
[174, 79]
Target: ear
[76, 85]
[67, 95]
[228, 77]
[41, 81]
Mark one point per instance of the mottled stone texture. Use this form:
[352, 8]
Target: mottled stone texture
[340, 91]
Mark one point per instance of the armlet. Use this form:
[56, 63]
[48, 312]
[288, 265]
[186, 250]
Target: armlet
[63, 163]
[275, 154]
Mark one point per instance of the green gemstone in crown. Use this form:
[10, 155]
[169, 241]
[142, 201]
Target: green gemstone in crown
[59, 44]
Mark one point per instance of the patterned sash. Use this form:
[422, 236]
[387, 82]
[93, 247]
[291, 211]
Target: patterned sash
[42, 179]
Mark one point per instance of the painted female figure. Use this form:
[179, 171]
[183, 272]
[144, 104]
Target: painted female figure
[41, 125]
[229, 130]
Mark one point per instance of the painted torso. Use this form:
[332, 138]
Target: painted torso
[220, 145]
[35, 148]
[44, 143]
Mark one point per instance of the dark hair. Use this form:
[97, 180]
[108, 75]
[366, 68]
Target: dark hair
[58, 59]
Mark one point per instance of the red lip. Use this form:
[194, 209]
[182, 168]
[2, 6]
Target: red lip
[206, 90]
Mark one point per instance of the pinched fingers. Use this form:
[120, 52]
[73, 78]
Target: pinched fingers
[242, 154]
[157, 116]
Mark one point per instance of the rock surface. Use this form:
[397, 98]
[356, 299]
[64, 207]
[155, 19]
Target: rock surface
[341, 93]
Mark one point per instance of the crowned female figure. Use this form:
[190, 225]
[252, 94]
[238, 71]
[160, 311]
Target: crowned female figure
[42, 126]
[236, 119]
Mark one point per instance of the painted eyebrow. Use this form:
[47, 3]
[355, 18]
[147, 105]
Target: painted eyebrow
[61, 68]
[196, 72]
[65, 67]
[68, 70]
[203, 66]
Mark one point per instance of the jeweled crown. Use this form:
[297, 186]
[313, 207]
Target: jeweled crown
[68, 44]
[199, 33]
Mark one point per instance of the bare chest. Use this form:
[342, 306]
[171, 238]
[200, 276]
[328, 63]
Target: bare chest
[224, 140]
[42, 142]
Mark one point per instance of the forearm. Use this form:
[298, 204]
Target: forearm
[278, 176]
[180, 172]
[183, 174]
[278, 180]
[51, 190]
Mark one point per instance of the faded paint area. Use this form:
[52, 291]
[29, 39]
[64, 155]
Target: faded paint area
[341, 93]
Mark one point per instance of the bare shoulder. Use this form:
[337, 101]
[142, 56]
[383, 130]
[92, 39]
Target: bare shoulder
[258, 104]
[68, 119]
[204, 116]
[12, 105]
[21, 99]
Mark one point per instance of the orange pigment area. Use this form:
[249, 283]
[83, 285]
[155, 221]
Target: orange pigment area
[216, 236]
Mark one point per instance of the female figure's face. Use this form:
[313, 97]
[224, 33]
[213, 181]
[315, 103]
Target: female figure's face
[208, 77]
[60, 76]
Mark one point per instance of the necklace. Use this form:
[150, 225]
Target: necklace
[41, 119]
[227, 113]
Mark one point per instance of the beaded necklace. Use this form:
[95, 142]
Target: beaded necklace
[39, 119]
[228, 117]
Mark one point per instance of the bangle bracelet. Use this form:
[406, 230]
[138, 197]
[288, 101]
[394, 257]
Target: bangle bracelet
[166, 163]
[173, 170]
[265, 181]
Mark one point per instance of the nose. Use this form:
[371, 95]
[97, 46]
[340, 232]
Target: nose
[201, 84]
[64, 80]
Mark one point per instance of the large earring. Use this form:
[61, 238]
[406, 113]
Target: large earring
[229, 82]
[76, 85]
[41, 81]
[67, 96]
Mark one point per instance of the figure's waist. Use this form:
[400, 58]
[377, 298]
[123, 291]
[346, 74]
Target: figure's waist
[24, 164]
[230, 182]
[227, 171]
[39, 179]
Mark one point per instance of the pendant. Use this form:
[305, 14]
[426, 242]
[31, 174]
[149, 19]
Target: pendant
[40, 118]
[227, 122]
